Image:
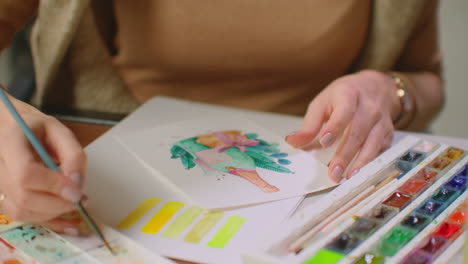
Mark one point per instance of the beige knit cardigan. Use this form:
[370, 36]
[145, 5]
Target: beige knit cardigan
[73, 64]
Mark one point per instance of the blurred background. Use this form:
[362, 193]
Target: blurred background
[453, 17]
[452, 121]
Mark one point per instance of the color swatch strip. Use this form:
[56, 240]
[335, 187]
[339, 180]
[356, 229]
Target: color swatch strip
[138, 213]
[222, 237]
[182, 222]
[161, 217]
[202, 227]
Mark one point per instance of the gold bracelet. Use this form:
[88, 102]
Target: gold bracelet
[407, 101]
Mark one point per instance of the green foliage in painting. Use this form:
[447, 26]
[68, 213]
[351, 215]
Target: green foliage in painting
[263, 160]
[264, 155]
[185, 157]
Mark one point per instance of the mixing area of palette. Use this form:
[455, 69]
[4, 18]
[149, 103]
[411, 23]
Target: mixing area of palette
[415, 222]
[30, 244]
[175, 220]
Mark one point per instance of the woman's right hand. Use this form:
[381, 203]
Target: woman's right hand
[32, 192]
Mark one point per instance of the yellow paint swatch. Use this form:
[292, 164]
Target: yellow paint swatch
[181, 223]
[203, 226]
[138, 213]
[161, 217]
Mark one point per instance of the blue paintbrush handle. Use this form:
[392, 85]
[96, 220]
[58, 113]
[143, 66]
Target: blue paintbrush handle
[28, 133]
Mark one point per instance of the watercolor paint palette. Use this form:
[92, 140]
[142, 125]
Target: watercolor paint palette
[31, 244]
[412, 210]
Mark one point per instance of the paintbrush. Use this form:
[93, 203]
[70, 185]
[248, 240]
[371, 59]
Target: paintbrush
[336, 217]
[49, 163]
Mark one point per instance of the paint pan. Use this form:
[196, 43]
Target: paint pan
[413, 187]
[425, 175]
[395, 239]
[398, 200]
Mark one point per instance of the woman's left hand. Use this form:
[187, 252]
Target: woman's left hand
[359, 108]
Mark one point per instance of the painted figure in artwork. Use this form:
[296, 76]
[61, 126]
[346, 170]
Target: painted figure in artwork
[234, 153]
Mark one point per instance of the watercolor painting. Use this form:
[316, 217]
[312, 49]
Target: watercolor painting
[234, 153]
[40, 243]
[212, 161]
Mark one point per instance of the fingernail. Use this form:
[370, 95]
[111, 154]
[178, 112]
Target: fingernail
[337, 173]
[76, 178]
[327, 140]
[290, 135]
[71, 194]
[354, 172]
[71, 231]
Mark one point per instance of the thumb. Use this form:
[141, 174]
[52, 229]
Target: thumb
[311, 125]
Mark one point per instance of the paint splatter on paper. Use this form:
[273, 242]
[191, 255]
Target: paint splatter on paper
[234, 153]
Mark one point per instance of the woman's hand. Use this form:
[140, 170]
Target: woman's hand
[34, 193]
[358, 107]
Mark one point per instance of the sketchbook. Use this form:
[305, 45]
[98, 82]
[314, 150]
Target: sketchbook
[138, 169]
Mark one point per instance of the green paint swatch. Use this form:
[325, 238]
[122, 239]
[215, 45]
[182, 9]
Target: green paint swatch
[182, 222]
[222, 237]
[325, 256]
[203, 226]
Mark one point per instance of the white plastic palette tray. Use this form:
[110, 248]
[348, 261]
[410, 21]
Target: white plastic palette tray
[431, 186]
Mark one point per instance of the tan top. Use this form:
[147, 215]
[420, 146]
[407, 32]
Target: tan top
[269, 49]
[268, 55]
